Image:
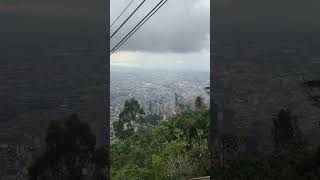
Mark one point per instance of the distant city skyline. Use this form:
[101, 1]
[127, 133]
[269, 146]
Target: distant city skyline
[156, 91]
[177, 37]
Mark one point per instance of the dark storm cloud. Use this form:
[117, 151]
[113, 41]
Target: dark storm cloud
[268, 14]
[179, 26]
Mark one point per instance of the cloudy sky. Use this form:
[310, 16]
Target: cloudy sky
[176, 37]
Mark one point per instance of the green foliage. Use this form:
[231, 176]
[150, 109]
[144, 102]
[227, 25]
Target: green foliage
[130, 119]
[133, 172]
[171, 149]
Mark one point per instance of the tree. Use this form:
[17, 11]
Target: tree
[70, 148]
[181, 108]
[199, 102]
[175, 148]
[130, 120]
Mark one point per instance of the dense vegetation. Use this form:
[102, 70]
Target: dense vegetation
[175, 148]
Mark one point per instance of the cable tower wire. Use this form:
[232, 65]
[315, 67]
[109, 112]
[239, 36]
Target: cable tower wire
[121, 14]
[144, 20]
[128, 18]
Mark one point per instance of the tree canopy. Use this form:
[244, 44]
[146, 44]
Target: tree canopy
[175, 148]
[131, 119]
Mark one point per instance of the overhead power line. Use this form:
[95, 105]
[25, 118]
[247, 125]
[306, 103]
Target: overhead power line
[128, 18]
[121, 13]
[144, 20]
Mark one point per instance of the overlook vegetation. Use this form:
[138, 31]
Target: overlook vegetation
[176, 148]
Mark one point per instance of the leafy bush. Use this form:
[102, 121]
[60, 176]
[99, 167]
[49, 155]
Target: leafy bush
[171, 149]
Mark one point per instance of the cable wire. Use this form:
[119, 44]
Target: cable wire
[121, 13]
[128, 18]
[144, 20]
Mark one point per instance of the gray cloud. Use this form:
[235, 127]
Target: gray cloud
[179, 26]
